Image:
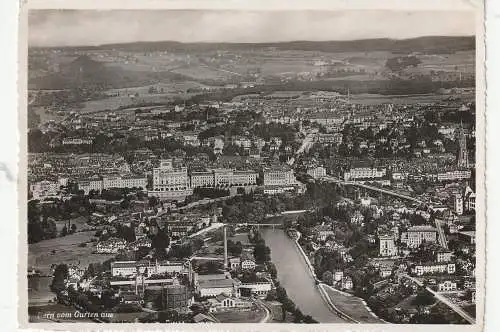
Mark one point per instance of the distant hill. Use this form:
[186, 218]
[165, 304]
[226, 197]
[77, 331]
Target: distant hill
[83, 72]
[435, 44]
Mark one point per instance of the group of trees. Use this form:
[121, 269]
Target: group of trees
[65, 231]
[423, 298]
[286, 133]
[60, 275]
[438, 314]
[400, 63]
[95, 269]
[289, 306]
[200, 193]
[39, 230]
[234, 248]
[41, 218]
[39, 142]
[382, 306]
[253, 209]
[226, 130]
[261, 252]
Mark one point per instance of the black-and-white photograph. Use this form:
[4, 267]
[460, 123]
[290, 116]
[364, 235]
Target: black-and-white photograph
[239, 166]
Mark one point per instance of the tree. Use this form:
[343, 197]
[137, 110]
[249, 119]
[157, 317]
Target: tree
[272, 269]
[327, 277]
[64, 231]
[262, 253]
[298, 316]
[73, 228]
[60, 275]
[160, 240]
[271, 295]
[424, 298]
[234, 249]
[153, 201]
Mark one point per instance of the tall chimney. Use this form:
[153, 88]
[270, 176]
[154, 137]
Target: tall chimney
[225, 248]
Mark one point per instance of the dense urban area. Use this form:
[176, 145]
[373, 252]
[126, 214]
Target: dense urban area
[321, 182]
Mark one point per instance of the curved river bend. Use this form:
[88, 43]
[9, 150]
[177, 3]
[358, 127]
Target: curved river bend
[296, 277]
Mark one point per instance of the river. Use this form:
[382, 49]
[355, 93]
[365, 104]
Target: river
[296, 278]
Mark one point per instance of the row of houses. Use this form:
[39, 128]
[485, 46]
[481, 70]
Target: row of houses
[173, 182]
[133, 268]
[99, 184]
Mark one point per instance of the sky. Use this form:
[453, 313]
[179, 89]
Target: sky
[92, 27]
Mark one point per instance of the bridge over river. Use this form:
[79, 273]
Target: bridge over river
[296, 277]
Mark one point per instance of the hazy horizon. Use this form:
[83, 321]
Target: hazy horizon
[60, 28]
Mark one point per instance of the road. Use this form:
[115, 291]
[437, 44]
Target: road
[306, 145]
[207, 258]
[268, 317]
[443, 299]
[385, 191]
[441, 235]
[212, 227]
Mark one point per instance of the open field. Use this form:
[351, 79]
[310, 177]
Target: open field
[351, 306]
[80, 222]
[45, 116]
[205, 73]
[39, 292]
[406, 304]
[112, 103]
[368, 99]
[168, 88]
[65, 249]
[253, 316]
[464, 61]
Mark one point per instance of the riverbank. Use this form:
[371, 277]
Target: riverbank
[347, 306]
[356, 307]
[295, 276]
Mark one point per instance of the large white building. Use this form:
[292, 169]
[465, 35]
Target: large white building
[454, 175]
[387, 245]
[244, 178]
[170, 183]
[278, 176]
[132, 268]
[356, 173]
[202, 180]
[90, 184]
[223, 303]
[214, 287]
[316, 172]
[111, 181]
[44, 189]
[258, 288]
[415, 235]
[77, 141]
[223, 178]
[124, 182]
[447, 286]
[433, 268]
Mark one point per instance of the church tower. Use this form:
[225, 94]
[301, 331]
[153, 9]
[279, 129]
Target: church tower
[463, 156]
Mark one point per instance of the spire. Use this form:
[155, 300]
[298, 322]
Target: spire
[225, 248]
